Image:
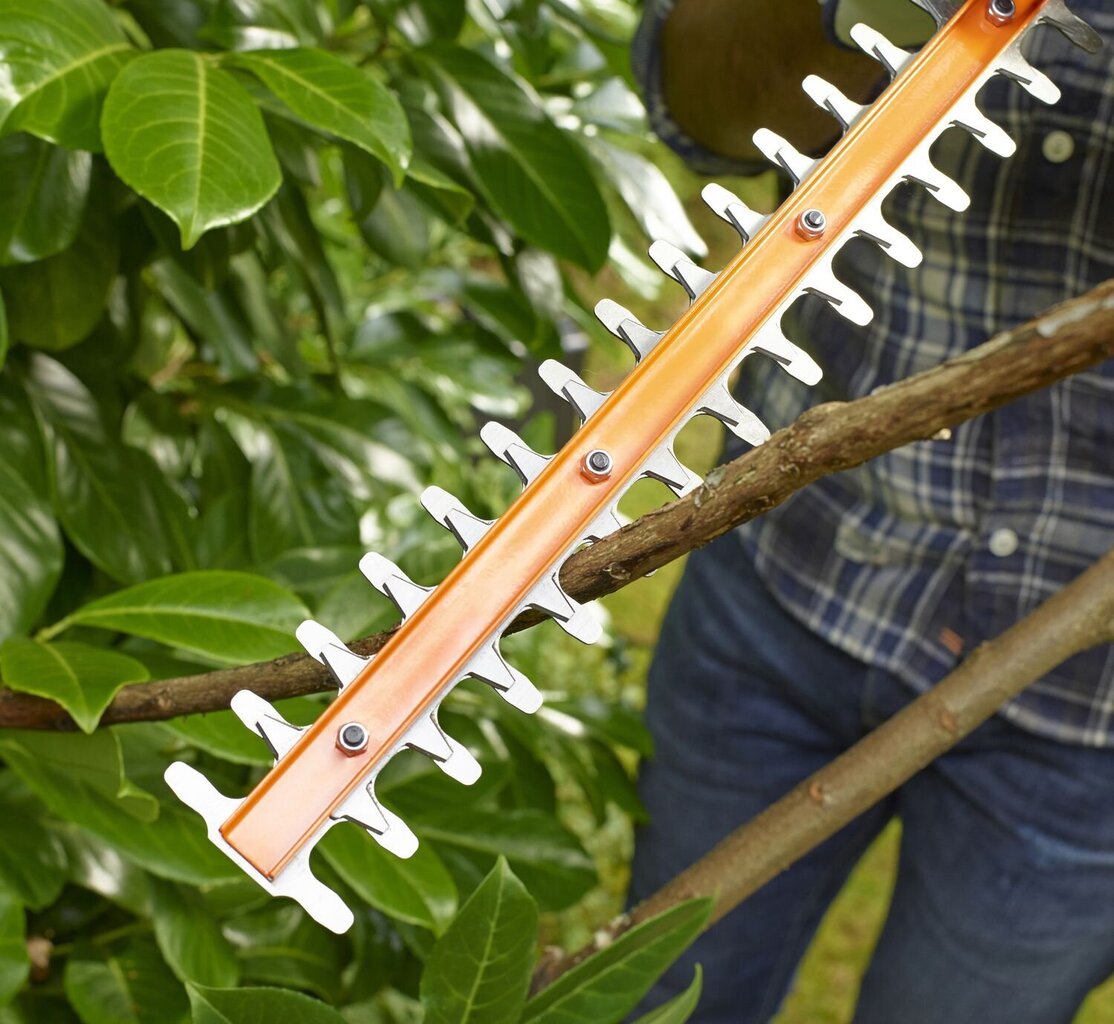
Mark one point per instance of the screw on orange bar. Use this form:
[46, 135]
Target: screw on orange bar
[478, 599]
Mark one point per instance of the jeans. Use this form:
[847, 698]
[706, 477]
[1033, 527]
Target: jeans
[1003, 911]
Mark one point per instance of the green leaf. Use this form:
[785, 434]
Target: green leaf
[102, 491]
[58, 57]
[81, 678]
[190, 939]
[229, 617]
[187, 136]
[30, 553]
[335, 97]
[258, 1005]
[679, 1008]
[15, 964]
[45, 189]
[531, 172]
[76, 777]
[4, 336]
[648, 195]
[418, 890]
[56, 302]
[94, 763]
[609, 984]
[132, 986]
[479, 971]
[33, 862]
[546, 856]
[278, 944]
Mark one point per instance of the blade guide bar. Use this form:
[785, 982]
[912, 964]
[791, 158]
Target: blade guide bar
[288, 807]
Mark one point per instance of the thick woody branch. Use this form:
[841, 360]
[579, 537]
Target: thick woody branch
[826, 439]
[1080, 616]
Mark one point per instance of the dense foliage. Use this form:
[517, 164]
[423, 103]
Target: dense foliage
[263, 263]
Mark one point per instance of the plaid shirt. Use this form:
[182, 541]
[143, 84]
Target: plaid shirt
[913, 559]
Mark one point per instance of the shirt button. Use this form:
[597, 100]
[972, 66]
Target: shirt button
[1058, 147]
[1003, 543]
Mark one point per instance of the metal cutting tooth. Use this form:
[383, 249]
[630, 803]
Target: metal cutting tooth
[325, 646]
[732, 209]
[450, 512]
[829, 98]
[1036, 83]
[295, 881]
[921, 171]
[874, 44]
[577, 620]
[606, 523]
[771, 341]
[392, 582]
[717, 402]
[260, 716]
[566, 384]
[627, 328]
[452, 757]
[666, 468]
[505, 444]
[822, 282]
[673, 261]
[1057, 14]
[872, 225]
[779, 151]
[489, 665]
[385, 827]
[993, 136]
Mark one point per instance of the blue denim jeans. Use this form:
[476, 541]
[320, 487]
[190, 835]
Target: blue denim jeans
[1003, 912]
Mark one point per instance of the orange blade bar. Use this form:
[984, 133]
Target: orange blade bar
[477, 600]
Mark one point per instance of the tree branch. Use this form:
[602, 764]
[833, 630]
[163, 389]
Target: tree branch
[1078, 617]
[826, 439]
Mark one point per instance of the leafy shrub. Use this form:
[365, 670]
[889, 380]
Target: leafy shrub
[262, 264]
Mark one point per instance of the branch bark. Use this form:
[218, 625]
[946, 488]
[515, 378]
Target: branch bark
[1079, 616]
[826, 439]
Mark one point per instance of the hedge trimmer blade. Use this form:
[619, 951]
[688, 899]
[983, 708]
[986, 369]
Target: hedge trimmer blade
[325, 773]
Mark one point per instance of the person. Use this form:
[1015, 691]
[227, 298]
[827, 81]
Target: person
[791, 638]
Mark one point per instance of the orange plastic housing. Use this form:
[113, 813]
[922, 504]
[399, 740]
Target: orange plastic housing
[478, 598]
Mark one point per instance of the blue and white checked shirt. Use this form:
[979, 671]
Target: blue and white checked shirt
[923, 553]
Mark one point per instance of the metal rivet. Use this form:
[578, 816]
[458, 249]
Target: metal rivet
[352, 738]
[811, 224]
[597, 465]
[1001, 11]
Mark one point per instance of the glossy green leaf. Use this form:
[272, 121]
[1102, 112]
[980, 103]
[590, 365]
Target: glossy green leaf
[77, 777]
[33, 861]
[679, 1008]
[59, 57]
[531, 172]
[30, 553]
[14, 961]
[479, 971]
[56, 302]
[188, 137]
[230, 617]
[258, 1006]
[648, 195]
[131, 986]
[81, 678]
[604, 988]
[189, 939]
[418, 890]
[546, 856]
[5, 337]
[336, 97]
[278, 944]
[43, 199]
[102, 491]
[95, 764]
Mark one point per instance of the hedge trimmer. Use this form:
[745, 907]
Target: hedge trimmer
[325, 773]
